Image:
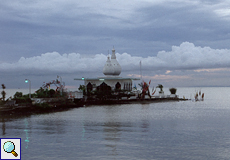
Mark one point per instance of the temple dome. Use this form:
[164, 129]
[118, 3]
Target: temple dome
[108, 68]
[112, 67]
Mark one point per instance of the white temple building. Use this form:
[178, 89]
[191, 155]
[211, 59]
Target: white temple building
[111, 80]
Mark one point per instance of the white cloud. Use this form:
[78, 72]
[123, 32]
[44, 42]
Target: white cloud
[223, 12]
[54, 62]
[187, 56]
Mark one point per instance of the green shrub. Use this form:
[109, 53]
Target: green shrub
[173, 90]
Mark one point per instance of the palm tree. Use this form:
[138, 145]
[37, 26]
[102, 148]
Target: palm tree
[161, 88]
[3, 92]
[3, 86]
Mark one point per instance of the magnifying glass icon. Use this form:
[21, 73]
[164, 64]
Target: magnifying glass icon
[9, 147]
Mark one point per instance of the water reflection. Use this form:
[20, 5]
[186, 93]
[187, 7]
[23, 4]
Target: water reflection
[145, 117]
[83, 124]
[52, 126]
[3, 127]
[112, 134]
[180, 130]
[145, 125]
[26, 130]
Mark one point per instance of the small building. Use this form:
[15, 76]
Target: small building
[111, 81]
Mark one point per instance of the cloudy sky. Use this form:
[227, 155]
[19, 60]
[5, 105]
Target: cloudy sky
[179, 42]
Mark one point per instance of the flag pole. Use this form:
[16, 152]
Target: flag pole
[140, 71]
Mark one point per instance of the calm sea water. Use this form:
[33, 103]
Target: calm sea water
[168, 130]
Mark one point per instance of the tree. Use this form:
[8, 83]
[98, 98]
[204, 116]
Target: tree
[161, 88]
[3, 95]
[18, 95]
[3, 86]
[82, 88]
[173, 90]
[40, 93]
[3, 92]
[51, 93]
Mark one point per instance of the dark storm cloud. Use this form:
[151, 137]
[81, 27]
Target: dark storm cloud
[172, 23]
[67, 28]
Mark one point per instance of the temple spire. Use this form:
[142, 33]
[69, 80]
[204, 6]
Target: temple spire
[113, 54]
